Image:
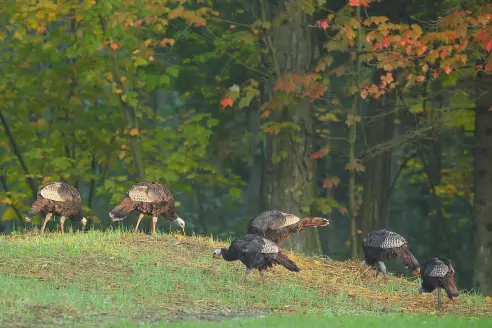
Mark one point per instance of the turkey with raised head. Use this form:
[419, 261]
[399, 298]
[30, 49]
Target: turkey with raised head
[437, 273]
[384, 245]
[278, 226]
[148, 198]
[255, 252]
[58, 198]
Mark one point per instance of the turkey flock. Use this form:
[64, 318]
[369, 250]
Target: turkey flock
[259, 249]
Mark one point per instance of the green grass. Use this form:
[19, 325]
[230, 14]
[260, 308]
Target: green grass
[127, 280]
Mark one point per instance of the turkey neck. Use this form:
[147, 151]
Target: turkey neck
[228, 256]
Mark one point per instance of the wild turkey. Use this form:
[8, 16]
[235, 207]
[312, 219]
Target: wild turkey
[148, 198]
[438, 273]
[384, 245]
[277, 226]
[255, 252]
[58, 198]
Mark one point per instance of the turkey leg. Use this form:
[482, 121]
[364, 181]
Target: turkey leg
[262, 274]
[46, 219]
[248, 272]
[138, 222]
[62, 223]
[438, 298]
[154, 223]
[380, 267]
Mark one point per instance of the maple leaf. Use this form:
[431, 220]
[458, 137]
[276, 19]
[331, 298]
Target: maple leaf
[324, 25]
[151, 58]
[227, 101]
[330, 182]
[134, 132]
[358, 3]
[320, 153]
[232, 26]
[138, 22]
[114, 46]
[364, 94]
[488, 47]
[447, 70]
[342, 209]
[355, 165]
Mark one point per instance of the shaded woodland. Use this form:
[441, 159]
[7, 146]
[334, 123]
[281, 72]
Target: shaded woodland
[374, 114]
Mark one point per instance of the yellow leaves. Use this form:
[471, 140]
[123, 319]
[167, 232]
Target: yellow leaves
[166, 41]
[324, 63]
[18, 35]
[375, 20]
[134, 132]
[329, 117]
[2, 36]
[355, 165]
[351, 119]
[39, 15]
[488, 299]
[417, 31]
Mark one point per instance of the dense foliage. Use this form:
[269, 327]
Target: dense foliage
[376, 102]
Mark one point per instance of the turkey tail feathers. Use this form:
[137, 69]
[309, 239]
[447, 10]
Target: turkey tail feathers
[409, 260]
[36, 207]
[314, 222]
[287, 263]
[122, 210]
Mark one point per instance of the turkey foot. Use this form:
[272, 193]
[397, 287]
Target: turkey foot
[46, 219]
[138, 222]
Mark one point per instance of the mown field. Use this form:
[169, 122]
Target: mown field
[115, 279]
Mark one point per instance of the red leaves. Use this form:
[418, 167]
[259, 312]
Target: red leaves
[232, 26]
[301, 84]
[226, 101]
[488, 47]
[201, 22]
[330, 182]
[114, 46]
[320, 153]
[358, 3]
[324, 25]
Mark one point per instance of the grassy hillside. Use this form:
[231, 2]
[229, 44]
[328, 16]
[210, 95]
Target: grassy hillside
[107, 279]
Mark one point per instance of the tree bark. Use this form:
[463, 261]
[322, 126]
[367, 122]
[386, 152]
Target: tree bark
[483, 186]
[256, 172]
[377, 177]
[289, 182]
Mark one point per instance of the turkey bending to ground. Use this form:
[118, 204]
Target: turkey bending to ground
[384, 245]
[58, 198]
[148, 198]
[255, 252]
[438, 273]
[277, 226]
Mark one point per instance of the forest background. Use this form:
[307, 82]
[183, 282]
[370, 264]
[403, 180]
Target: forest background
[374, 114]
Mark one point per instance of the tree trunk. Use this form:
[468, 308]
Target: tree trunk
[289, 181]
[377, 177]
[483, 186]
[256, 172]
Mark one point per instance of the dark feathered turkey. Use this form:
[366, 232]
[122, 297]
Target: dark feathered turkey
[58, 198]
[437, 273]
[148, 198]
[255, 252]
[384, 245]
[277, 226]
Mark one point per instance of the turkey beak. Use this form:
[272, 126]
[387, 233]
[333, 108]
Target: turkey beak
[454, 298]
[416, 272]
